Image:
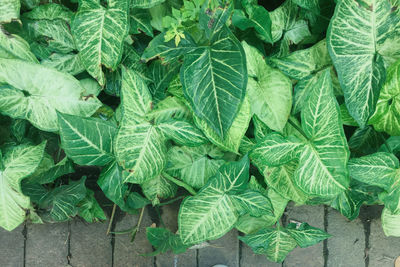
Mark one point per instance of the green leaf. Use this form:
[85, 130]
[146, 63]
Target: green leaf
[194, 165]
[51, 11]
[87, 141]
[89, 208]
[163, 240]
[275, 243]
[158, 188]
[161, 75]
[135, 97]
[214, 80]
[112, 184]
[269, 91]
[392, 144]
[99, 34]
[182, 132]
[357, 37]
[17, 163]
[387, 114]
[169, 108]
[258, 18]
[140, 149]
[62, 201]
[145, 3]
[13, 46]
[232, 139]
[9, 10]
[390, 223]
[140, 21]
[52, 172]
[323, 162]
[252, 202]
[210, 214]
[168, 51]
[69, 63]
[276, 150]
[40, 92]
[365, 141]
[306, 235]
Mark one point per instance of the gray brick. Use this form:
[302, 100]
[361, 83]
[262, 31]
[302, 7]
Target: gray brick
[90, 246]
[47, 245]
[12, 247]
[346, 246]
[249, 259]
[222, 251]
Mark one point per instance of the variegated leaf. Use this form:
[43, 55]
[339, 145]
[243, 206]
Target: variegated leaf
[390, 223]
[269, 91]
[214, 80]
[99, 33]
[252, 202]
[358, 37]
[13, 46]
[46, 92]
[17, 163]
[87, 141]
[158, 188]
[182, 132]
[9, 10]
[145, 3]
[306, 235]
[69, 63]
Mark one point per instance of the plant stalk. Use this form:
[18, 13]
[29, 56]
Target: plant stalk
[180, 183]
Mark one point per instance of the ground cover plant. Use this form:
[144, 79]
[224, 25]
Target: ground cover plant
[236, 108]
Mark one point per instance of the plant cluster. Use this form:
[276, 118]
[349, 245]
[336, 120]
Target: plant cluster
[234, 107]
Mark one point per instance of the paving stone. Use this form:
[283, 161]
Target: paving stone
[169, 216]
[249, 259]
[47, 245]
[383, 250]
[311, 256]
[222, 251]
[127, 253]
[347, 245]
[12, 247]
[90, 246]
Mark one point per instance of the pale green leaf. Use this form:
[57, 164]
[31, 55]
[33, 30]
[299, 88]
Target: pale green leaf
[356, 37]
[13, 46]
[158, 188]
[194, 165]
[19, 162]
[306, 235]
[169, 108]
[214, 80]
[87, 141]
[51, 11]
[252, 202]
[387, 114]
[140, 149]
[47, 91]
[182, 132]
[145, 3]
[112, 184]
[69, 63]
[99, 34]
[269, 91]
[9, 10]
[390, 223]
[233, 137]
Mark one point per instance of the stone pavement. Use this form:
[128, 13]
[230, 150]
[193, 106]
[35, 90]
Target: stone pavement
[354, 244]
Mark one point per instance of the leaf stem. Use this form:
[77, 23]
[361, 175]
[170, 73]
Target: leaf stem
[179, 183]
[171, 201]
[111, 219]
[291, 122]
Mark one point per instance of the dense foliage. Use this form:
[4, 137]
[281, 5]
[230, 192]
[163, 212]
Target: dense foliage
[234, 107]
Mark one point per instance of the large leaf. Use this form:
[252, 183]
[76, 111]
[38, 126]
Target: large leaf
[87, 141]
[89, 209]
[194, 165]
[358, 37]
[163, 240]
[269, 91]
[62, 201]
[9, 10]
[275, 243]
[140, 149]
[253, 203]
[99, 33]
[211, 213]
[382, 170]
[112, 184]
[214, 80]
[17, 163]
[50, 11]
[233, 137]
[169, 108]
[145, 3]
[69, 63]
[35, 93]
[323, 162]
[387, 114]
[140, 21]
[182, 132]
[13, 46]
